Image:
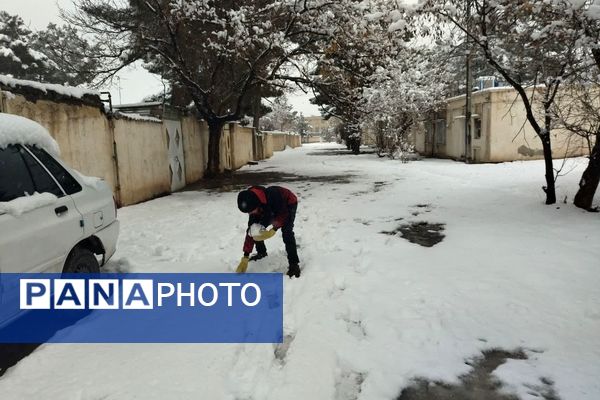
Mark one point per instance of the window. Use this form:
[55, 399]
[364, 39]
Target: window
[477, 128]
[440, 131]
[42, 181]
[15, 180]
[68, 183]
[429, 128]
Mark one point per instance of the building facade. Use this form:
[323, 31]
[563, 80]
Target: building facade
[499, 131]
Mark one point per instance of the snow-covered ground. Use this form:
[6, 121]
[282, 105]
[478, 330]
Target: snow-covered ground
[371, 311]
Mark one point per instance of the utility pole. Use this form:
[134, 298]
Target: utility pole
[256, 106]
[119, 88]
[468, 85]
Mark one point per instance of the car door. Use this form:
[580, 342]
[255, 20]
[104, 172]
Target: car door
[39, 238]
[96, 206]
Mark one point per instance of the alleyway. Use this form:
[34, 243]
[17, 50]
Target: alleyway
[412, 273]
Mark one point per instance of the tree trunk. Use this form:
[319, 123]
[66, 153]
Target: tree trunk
[549, 189]
[215, 129]
[256, 124]
[544, 135]
[589, 180]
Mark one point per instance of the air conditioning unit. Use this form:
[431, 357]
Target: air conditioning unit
[485, 82]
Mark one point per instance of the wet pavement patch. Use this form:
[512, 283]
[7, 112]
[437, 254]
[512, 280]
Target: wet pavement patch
[479, 384]
[49, 324]
[11, 354]
[377, 186]
[421, 208]
[422, 233]
[236, 181]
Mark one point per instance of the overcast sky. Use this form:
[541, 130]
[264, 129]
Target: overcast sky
[135, 83]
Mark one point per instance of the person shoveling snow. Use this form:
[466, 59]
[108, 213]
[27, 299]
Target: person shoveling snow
[276, 206]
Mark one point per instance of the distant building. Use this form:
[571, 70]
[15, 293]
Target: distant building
[499, 130]
[319, 125]
[320, 129]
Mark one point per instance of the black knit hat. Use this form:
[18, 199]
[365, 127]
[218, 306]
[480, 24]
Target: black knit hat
[247, 201]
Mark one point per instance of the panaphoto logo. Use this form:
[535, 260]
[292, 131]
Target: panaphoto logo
[132, 294]
[141, 308]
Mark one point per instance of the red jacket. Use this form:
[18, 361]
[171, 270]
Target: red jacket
[275, 203]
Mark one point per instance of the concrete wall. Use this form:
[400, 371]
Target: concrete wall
[313, 139]
[225, 148]
[195, 148]
[82, 132]
[454, 144]
[142, 174]
[506, 135]
[131, 154]
[267, 145]
[420, 135]
[241, 145]
[279, 141]
[507, 141]
[294, 141]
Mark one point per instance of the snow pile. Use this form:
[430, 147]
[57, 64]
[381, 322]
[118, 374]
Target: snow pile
[90, 181]
[69, 91]
[8, 95]
[25, 204]
[15, 129]
[256, 229]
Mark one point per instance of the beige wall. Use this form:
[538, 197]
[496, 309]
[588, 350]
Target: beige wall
[82, 132]
[90, 141]
[319, 124]
[267, 145]
[195, 148]
[419, 135]
[225, 149]
[279, 141]
[85, 136]
[506, 135]
[454, 146]
[507, 141]
[241, 145]
[294, 140]
[142, 174]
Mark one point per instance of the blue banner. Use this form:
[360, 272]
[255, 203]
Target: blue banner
[141, 308]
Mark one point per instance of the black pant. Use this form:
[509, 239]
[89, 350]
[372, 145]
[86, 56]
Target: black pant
[287, 231]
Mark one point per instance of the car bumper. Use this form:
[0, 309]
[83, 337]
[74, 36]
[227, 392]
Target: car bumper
[109, 236]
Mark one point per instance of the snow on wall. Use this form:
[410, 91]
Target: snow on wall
[68, 91]
[19, 130]
[136, 117]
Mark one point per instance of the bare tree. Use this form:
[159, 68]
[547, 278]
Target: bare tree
[525, 45]
[578, 111]
[223, 53]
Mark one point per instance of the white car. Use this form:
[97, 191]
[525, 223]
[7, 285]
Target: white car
[52, 219]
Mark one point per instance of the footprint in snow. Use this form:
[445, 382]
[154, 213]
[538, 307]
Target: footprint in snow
[281, 349]
[348, 385]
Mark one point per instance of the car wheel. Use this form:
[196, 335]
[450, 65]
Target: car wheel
[81, 261]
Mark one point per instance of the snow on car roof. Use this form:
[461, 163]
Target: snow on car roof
[15, 129]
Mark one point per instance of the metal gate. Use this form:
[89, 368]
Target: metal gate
[175, 154]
